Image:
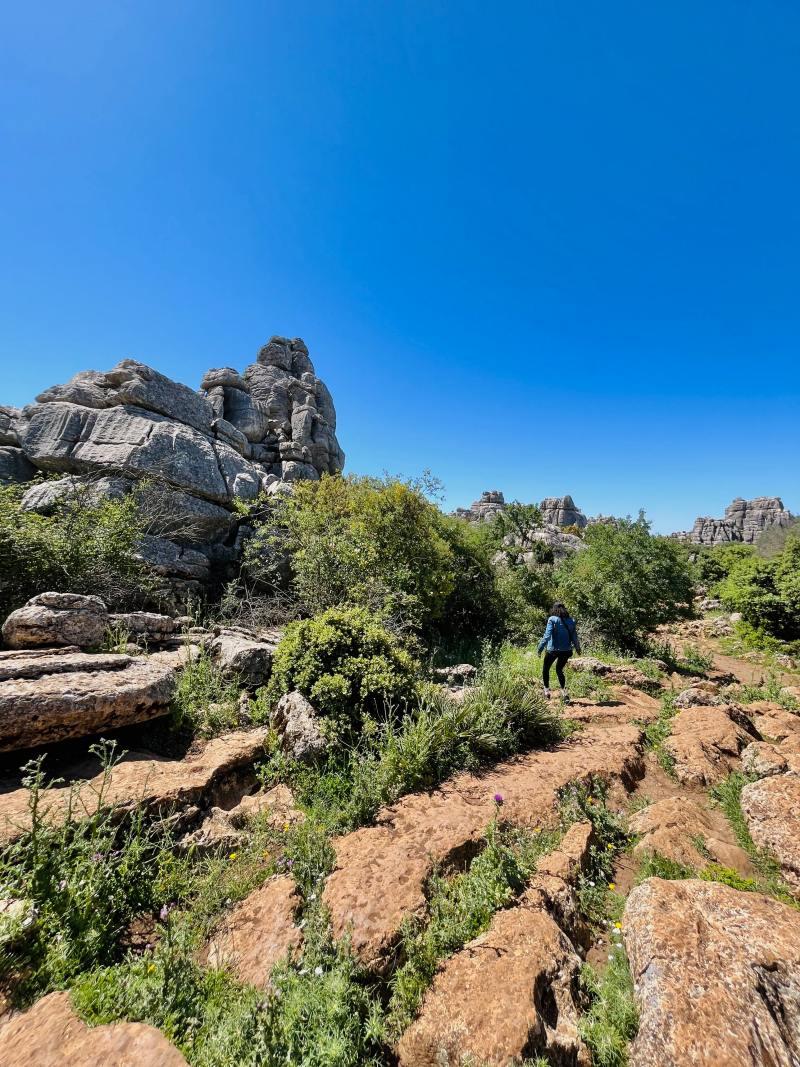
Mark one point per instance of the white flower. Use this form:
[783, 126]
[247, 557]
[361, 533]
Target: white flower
[318, 971]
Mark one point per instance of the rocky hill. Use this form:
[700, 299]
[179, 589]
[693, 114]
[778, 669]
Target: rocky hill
[556, 510]
[239, 435]
[744, 521]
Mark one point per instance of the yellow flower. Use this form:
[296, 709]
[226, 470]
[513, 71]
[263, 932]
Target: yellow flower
[612, 885]
[233, 855]
[609, 847]
[152, 967]
[618, 926]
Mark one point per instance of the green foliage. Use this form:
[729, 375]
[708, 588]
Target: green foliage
[527, 593]
[83, 547]
[347, 665]
[459, 909]
[79, 883]
[772, 541]
[767, 591]
[656, 733]
[695, 660]
[498, 717]
[711, 565]
[612, 1019]
[627, 581]
[205, 702]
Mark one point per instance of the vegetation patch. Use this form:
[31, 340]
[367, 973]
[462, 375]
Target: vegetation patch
[657, 732]
[612, 1020]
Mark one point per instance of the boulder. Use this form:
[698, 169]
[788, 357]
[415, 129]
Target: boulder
[485, 508]
[148, 624]
[696, 696]
[15, 465]
[716, 976]
[298, 724]
[771, 808]
[50, 1034]
[257, 933]
[49, 696]
[561, 511]
[57, 619]
[624, 673]
[706, 742]
[245, 658]
[761, 760]
[672, 826]
[456, 675]
[10, 423]
[45, 498]
[171, 560]
[744, 521]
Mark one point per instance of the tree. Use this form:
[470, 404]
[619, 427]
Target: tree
[626, 581]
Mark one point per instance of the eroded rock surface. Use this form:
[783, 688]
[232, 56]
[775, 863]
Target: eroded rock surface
[381, 870]
[206, 775]
[771, 808]
[297, 722]
[744, 521]
[245, 657]
[50, 1034]
[257, 932]
[47, 697]
[674, 826]
[57, 619]
[705, 743]
[716, 975]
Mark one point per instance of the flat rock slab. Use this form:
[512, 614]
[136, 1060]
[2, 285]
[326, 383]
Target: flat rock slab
[257, 933]
[705, 743]
[773, 721]
[669, 826]
[50, 1034]
[510, 993]
[157, 784]
[772, 810]
[381, 870]
[716, 974]
[46, 698]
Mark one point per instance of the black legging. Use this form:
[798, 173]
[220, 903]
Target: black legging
[559, 658]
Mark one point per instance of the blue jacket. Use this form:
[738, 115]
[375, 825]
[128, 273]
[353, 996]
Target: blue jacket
[560, 635]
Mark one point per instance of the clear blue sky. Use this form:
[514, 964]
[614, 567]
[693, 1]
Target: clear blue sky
[544, 247]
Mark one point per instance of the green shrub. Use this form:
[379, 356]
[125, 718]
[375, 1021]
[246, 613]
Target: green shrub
[766, 591]
[626, 580]
[206, 703]
[83, 547]
[347, 665]
[711, 565]
[612, 1020]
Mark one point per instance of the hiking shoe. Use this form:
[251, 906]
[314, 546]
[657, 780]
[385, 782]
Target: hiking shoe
[547, 694]
[565, 696]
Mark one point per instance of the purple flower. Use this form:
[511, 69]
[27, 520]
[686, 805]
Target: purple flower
[164, 913]
[97, 857]
[498, 798]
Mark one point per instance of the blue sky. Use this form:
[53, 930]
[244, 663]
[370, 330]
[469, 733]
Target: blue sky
[544, 247]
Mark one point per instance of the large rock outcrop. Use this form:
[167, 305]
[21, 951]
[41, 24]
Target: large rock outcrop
[716, 975]
[744, 521]
[557, 511]
[206, 450]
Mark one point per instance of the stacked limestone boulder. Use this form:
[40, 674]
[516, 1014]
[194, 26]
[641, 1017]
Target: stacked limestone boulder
[240, 435]
[744, 522]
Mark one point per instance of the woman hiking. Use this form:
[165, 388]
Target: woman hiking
[560, 637]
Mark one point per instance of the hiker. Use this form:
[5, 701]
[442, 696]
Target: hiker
[560, 637]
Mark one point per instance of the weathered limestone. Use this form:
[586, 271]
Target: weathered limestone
[50, 1034]
[561, 511]
[298, 724]
[46, 698]
[258, 932]
[57, 619]
[771, 808]
[15, 465]
[716, 975]
[381, 870]
[671, 827]
[489, 504]
[244, 657]
[706, 742]
[206, 775]
[744, 521]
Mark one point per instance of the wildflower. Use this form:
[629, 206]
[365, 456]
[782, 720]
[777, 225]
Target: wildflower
[609, 847]
[611, 958]
[498, 798]
[618, 926]
[62, 885]
[151, 968]
[612, 885]
[164, 913]
[97, 857]
[233, 855]
[318, 971]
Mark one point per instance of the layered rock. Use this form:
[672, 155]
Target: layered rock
[562, 511]
[744, 521]
[716, 975]
[57, 619]
[488, 504]
[241, 434]
[54, 694]
[706, 741]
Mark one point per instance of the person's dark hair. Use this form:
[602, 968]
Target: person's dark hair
[559, 609]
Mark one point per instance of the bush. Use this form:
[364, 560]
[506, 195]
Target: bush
[627, 581]
[766, 591]
[347, 665]
[83, 547]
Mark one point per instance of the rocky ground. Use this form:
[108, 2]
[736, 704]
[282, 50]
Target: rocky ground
[679, 853]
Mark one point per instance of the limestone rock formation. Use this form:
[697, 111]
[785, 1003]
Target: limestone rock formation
[239, 435]
[716, 975]
[57, 619]
[706, 741]
[297, 723]
[489, 504]
[561, 511]
[54, 694]
[671, 827]
[772, 810]
[50, 1034]
[245, 657]
[744, 521]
